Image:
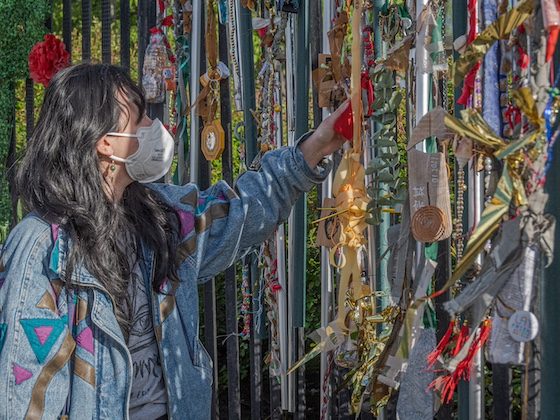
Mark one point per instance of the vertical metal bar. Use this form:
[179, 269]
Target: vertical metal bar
[248, 80]
[301, 127]
[300, 208]
[125, 34]
[248, 95]
[290, 123]
[501, 382]
[232, 343]
[442, 273]
[196, 45]
[326, 270]
[278, 386]
[48, 20]
[143, 35]
[301, 397]
[210, 328]
[550, 339]
[86, 30]
[203, 181]
[67, 25]
[255, 348]
[476, 383]
[29, 107]
[106, 31]
[283, 314]
[459, 9]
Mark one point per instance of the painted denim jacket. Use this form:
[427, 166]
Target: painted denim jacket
[37, 368]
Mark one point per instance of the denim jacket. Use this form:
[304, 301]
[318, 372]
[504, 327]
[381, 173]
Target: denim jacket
[65, 352]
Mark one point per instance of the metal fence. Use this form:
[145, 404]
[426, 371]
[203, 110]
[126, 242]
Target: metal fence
[262, 399]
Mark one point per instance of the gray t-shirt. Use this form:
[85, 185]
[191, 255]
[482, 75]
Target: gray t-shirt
[148, 397]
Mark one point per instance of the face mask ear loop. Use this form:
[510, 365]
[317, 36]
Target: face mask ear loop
[122, 135]
[118, 159]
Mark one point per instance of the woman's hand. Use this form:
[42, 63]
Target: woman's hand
[324, 139]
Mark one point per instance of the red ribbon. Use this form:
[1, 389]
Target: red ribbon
[468, 85]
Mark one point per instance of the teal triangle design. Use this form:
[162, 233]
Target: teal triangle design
[42, 350]
[3, 328]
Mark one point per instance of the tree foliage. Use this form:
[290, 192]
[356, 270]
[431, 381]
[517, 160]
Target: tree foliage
[23, 24]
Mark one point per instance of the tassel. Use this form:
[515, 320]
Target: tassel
[461, 339]
[434, 355]
[446, 385]
[464, 367]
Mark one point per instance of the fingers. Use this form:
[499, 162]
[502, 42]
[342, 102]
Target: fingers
[340, 110]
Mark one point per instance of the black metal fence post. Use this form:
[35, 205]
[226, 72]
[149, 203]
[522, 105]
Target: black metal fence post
[86, 30]
[106, 31]
[125, 33]
[232, 343]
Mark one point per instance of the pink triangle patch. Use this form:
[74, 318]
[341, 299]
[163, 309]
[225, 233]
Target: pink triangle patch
[85, 339]
[21, 374]
[43, 333]
[187, 222]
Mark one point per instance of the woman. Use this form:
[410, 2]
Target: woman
[98, 283]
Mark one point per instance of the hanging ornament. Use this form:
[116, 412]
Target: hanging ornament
[155, 60]
[213, 134]
[213, 140]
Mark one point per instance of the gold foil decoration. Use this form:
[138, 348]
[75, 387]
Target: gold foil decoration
[499, 29]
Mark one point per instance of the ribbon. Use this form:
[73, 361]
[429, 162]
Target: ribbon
[475, 127]
[500, 29]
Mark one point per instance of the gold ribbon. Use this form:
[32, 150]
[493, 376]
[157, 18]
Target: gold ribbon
[474, 126]
[524, 100]
[499, 29]
[351, 207]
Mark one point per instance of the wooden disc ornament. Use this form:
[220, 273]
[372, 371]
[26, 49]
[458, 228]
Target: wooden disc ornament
[430, 205]
[213, 140]
[428, 224]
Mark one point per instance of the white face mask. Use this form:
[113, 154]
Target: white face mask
[154, 156]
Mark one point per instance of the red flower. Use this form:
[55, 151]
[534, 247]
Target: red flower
[47, 58]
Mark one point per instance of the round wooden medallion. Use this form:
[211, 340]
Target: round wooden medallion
[213, 140]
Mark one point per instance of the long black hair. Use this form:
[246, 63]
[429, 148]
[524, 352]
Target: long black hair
[60, 178]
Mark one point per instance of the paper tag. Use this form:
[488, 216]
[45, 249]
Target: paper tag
[329, 230]
[523, 326]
